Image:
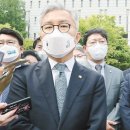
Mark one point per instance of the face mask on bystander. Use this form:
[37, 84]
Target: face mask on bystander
[98, 52]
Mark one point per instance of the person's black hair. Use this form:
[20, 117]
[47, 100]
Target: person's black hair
[35, 42]
[32, 53]
[13, 33]
[100, 31]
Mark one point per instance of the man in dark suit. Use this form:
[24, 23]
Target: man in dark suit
[125, 72]
[81, 102]
[11, 45]
[125, 103]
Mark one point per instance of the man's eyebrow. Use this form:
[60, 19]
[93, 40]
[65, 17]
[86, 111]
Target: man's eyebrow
[64, 21]
[39, 45]
[46, 23]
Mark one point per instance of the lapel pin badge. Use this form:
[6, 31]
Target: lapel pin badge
[110, 71]
[80, 76]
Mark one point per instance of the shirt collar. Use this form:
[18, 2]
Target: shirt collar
[93, 64]
[69, 63]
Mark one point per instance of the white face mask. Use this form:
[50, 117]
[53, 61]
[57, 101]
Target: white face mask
[58, 44]
[11, 53]
[98, 52]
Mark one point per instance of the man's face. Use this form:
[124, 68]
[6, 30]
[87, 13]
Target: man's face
[31, 59]
[38, 46]
[78, 53]
[57, 17]
[94, 38]
[92, 42]
[9, 40]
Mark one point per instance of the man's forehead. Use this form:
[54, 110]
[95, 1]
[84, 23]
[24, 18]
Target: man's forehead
[96, 36]
[6, 36]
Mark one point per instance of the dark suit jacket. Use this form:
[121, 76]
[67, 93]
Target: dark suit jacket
[125, 72]
[125, 103]
[85, 103]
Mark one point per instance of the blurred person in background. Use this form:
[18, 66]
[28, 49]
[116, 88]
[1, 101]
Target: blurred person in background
[11, 44]
[79, 54]
[11, 54]
[31, 56]
[95, 44]
[5, 118]
[9, 37]
[125, 103]
[38, 47]
[125, 72]
[37, 44]
[78, 51]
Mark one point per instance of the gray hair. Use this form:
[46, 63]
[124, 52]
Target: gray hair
[57, 6]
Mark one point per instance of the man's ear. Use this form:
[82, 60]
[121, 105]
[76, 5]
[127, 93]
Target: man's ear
[21, 49]
[78, 36]
[85, 49]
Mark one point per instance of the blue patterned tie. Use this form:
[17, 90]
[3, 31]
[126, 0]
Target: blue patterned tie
[60, 85]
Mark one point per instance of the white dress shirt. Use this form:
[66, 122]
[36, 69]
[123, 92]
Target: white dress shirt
[94, 64]
[68, 69]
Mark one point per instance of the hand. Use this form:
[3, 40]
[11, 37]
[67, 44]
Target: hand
[4, 81]
[1, 70]
[6, 118]
[109, 125]
[9, 69]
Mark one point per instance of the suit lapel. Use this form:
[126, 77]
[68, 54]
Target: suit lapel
[75, 85]
[108, 77]
[44, 75]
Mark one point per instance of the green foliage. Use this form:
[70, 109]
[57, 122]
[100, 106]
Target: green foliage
[28, 44]
[13, 12]
[119, 51]
[7, 25]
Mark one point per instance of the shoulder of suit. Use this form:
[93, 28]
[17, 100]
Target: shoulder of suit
[26, 66]
[114, 68]
[87, 69]
[127, 70]
[29, 66]
[82, 66]
[21, 66]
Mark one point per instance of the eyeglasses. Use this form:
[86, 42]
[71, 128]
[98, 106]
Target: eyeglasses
[49, 28]
[93, 43]
[8, 42]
